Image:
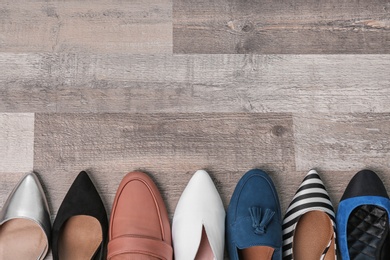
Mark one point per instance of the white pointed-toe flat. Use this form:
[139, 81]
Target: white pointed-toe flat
[25, 222]
[198, 227]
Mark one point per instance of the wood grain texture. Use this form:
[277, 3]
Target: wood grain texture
[74, 82]
[104, 26]
[16, 142]
[342, 142]
[8, 182]
[281, 27]
[171, 147]
[115, 90]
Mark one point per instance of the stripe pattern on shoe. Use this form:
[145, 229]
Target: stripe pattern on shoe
[311, 195]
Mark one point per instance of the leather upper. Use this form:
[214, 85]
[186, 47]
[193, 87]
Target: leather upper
[199, 206]
[310, 196]
[365, 183]
[28, 201]
[139, 215]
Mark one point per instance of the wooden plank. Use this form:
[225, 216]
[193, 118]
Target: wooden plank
[44, 82]
[343, 142]
[281, 27]
[8, 182]
[104, 26]
[17, 150]
[171, 147]
[16, 142]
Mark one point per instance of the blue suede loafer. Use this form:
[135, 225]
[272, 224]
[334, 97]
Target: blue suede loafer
[254, 223]
[363, 219]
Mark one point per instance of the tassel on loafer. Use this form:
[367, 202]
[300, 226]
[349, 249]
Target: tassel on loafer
[25, 222]
[253, 222]
[363, 219]
[81, 226]
[309, 230]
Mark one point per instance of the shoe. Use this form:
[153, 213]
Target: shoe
[363, 219]
[198, 227]
[25, 222]
[139, 224]
[81, 225]
[309, 229]
[254, 222]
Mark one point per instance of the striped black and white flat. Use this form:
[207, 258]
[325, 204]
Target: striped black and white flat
[309, 229]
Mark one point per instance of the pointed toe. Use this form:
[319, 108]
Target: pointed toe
[309, 223]
[201, 177]
[25, 220]
[198, 226]
[80, 229]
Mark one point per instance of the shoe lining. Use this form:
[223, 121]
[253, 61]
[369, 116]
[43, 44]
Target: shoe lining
[80, 238]
[367, 233]
[204, 251]
[22, 239]
[256, 252]
[312, 235]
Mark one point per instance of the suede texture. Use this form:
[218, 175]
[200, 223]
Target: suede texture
[81, 199]
[255, 189]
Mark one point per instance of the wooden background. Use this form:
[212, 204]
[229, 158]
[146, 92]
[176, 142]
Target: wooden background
[173, 86]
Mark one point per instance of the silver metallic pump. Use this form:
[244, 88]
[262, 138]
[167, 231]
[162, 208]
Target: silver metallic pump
[27, 201]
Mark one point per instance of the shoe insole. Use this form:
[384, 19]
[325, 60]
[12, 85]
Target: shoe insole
[312, 235]
[256, 252]
[22, 239]
[204, 251]
[80, 238]
[367, 233]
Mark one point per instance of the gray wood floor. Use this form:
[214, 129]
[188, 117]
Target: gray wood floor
[173, 86]
[274, 27]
